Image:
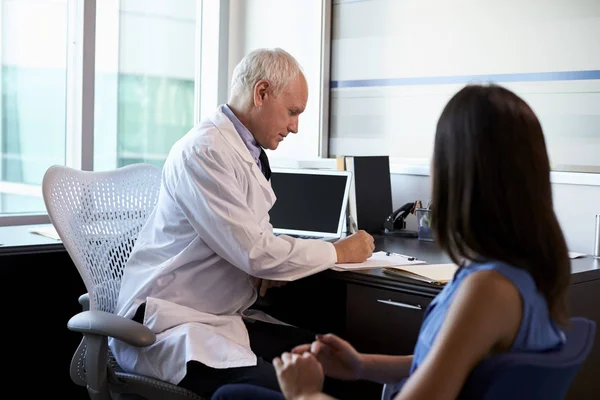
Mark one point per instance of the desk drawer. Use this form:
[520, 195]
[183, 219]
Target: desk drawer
[383, 321]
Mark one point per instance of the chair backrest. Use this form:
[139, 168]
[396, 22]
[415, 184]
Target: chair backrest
[526, 376]
[98, 216]
[540, 375]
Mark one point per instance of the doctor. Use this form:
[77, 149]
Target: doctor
[208, 246]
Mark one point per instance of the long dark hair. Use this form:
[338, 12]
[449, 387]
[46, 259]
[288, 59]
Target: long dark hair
[491, 189]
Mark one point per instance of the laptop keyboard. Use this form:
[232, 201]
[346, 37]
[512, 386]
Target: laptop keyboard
[301, 236]
[306, 237]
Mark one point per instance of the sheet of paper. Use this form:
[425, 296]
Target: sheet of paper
[379, 259]
[441, 273]
[47, 231]
[576, 255]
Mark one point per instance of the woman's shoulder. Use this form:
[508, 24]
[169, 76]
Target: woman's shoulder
[519, 277]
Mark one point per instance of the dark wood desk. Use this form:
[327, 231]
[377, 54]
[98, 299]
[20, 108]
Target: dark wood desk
[39, 287]
[19, 240]
[350, 304]
[40, 273]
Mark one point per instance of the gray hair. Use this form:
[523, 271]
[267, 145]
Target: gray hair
[275, 65]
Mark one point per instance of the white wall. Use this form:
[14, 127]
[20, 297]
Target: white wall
[295, 26]
[575, 207]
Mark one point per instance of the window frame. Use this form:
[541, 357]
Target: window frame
[326, 26]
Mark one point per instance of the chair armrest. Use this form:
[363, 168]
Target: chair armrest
[84, 300]
[106, 324]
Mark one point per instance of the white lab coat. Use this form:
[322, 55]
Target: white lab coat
[191, 264]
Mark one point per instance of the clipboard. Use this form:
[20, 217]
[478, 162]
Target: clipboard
[435, 274]
[379, 259]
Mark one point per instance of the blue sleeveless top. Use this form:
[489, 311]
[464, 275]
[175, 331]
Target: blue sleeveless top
[538, 331]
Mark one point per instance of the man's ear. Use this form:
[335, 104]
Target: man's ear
[261, 91]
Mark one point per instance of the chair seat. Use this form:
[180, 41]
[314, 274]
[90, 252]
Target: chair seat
[158, 389]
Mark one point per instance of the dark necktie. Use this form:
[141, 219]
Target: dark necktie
[264, 163]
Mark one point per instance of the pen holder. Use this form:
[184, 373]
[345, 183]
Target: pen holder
[424, 224]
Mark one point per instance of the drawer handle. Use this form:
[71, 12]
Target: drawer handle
[398, 304]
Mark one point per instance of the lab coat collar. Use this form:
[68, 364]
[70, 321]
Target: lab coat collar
[225, 126]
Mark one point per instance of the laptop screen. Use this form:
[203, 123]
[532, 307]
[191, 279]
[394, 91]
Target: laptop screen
[309, 202]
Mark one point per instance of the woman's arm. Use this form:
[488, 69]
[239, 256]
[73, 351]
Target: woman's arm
[316, 396]
[340, 360]
[484, 317]
[385, 369]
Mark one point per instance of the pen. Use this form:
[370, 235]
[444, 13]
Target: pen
[409, 258]
[353, 227]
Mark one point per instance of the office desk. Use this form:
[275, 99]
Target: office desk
[346, 303]
[39, 287]
[379, 313]
[19, 240]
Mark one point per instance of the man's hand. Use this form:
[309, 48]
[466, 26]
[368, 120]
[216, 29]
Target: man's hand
[263, 284]
[355, 248]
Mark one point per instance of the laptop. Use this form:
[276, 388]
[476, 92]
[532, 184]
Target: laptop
[311, 203]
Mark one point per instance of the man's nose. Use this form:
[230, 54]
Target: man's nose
[293, 127]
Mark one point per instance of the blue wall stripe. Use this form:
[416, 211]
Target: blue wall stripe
[457, 79]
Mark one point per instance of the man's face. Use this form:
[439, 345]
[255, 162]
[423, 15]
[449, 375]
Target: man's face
[277, 116]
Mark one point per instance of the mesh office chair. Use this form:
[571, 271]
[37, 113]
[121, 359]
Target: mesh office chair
[98, 216]
[528, 376]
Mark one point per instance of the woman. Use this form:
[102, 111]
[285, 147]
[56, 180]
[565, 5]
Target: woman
[493, 215]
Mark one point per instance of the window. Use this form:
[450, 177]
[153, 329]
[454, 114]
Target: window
[144, 69]
[144, 91]
[33, 84]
